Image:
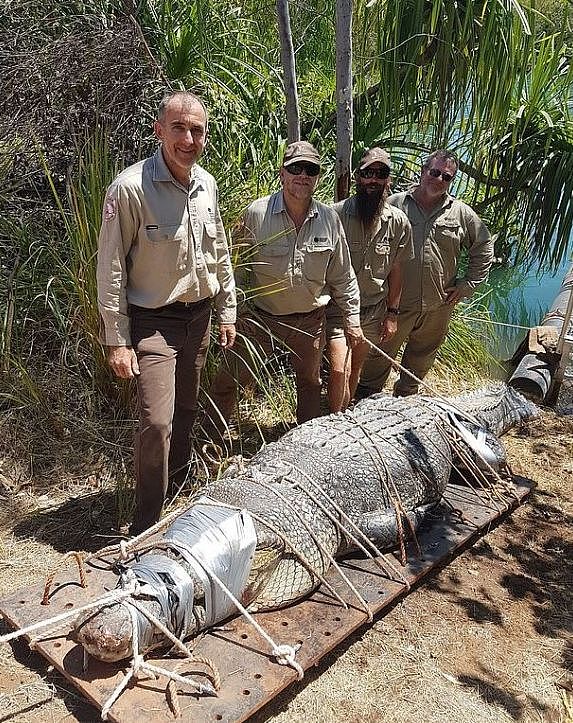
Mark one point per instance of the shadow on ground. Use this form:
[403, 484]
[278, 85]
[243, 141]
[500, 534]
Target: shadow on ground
[531, 562]
[81, 523]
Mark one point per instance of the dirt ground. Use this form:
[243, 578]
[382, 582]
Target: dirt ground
[489, 638]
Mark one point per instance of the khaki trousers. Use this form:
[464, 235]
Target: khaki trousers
[258, 336]
[423, 332]
[171, 345]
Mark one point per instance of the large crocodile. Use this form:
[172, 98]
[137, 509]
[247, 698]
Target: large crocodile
[378, 468]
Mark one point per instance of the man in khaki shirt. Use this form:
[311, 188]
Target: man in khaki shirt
[441, 227]
[298, 260]
[163, 261]
[380, 239]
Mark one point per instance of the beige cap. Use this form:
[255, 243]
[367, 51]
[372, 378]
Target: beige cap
[301, 151]
[374, 155]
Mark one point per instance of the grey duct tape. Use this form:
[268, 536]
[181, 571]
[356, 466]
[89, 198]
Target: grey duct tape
[219, 540]
[210, 539]
[166, 581]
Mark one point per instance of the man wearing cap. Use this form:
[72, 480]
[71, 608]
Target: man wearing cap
[163, 262]
[442, 226]
[380, 239]
[299, 259]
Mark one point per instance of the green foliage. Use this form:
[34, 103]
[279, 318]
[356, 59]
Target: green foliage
[465, 351]
[75, 286]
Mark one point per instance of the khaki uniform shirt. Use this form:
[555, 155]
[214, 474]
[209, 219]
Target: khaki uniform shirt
[375, 248]
[296, 273]
[438, 239]
[161, 242]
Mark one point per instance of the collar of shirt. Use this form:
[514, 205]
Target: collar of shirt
[162, 173]
[278, 205]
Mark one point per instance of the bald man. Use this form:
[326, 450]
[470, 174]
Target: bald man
[163, 263]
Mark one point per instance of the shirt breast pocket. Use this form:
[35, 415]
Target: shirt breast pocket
[209, 243]
[380, 258]
[317, 254]
[167, 246]
[448, 233]
[272, 259]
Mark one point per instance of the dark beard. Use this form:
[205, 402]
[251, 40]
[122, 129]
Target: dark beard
[368, 205]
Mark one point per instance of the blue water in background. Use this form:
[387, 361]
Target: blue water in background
[519, 296]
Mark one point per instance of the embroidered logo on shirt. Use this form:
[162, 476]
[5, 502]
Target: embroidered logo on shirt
[110, 209]
[382, 247]
[319, 243]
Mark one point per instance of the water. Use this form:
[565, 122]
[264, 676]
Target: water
[519, 297]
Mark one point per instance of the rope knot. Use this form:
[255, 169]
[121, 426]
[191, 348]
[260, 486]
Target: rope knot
[286, 655]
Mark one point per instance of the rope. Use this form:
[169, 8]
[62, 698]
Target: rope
[445, 429]
[109, 598]
[387, 482]
[214, 673]
[324, 552]
[125, 547]
[280, 534]
[138, 662]
[135, 664]
[420, 382]
[377, 557]
[496, 323]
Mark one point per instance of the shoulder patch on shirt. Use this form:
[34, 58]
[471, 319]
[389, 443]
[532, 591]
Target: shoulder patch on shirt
[110, 208]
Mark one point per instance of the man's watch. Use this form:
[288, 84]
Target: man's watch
[393, 310]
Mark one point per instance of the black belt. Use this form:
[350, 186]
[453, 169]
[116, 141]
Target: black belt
[173, 305]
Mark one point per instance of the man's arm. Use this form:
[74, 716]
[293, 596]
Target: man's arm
[117, 233]
[226, 298]
[390, 322]
[405, 251]
[343, 286]
[479, 243]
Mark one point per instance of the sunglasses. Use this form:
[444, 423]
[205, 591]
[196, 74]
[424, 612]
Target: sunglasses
[380, 173]
[436, 173]
[295, 169]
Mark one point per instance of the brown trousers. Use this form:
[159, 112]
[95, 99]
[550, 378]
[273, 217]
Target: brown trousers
[258, 335]
[424, 332]
[171, 345]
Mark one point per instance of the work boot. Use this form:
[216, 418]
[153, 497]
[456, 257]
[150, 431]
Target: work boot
[362, 392]
[403, 391]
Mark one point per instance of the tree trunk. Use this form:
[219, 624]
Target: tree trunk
[289, 72]
[343, 96]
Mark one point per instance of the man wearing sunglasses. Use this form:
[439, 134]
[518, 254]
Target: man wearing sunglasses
[442, 227]
[298, 260]
[380, 239]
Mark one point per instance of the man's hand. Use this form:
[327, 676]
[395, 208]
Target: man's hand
[354, 336]
[227, 334]
[388, 327]
[123, 361]
[454, 294]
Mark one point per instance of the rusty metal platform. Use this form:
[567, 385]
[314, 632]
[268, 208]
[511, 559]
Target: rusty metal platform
[249, 677]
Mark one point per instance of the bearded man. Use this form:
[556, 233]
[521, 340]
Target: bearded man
[380, 239]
